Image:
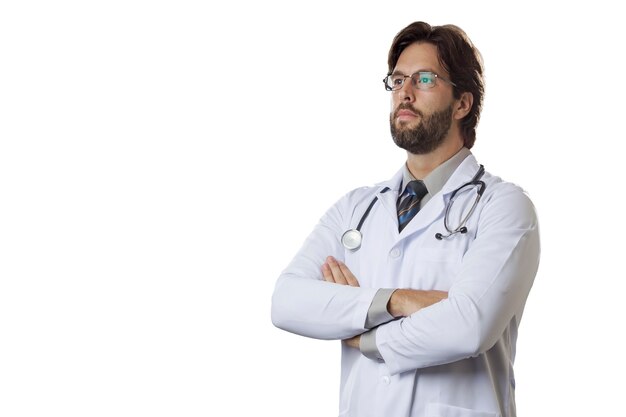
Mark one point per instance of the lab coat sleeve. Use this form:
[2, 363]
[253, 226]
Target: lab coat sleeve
[489, 292]
[305, 304]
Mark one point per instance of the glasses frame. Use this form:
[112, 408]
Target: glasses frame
[415, 84]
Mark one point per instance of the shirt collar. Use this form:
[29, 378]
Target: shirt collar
[439, 176]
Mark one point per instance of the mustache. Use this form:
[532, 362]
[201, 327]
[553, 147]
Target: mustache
[406, 106]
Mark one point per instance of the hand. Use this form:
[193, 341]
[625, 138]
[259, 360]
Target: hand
[337, 272]
[404, 302]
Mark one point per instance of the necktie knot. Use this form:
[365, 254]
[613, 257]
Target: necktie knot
[417, 188]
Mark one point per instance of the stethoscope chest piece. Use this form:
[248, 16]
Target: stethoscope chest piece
[351, 239]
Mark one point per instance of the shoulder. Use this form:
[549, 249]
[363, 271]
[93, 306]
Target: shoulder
[358, 196]
[353, 203]
[365, 194]
[508, 202]
[362, 193]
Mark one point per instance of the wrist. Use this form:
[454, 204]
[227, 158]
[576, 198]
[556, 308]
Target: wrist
[396, 303]
[354, 342]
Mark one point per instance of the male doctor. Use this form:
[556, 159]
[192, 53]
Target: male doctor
[428, 294]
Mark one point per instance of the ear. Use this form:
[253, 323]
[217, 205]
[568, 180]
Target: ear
[463, 105]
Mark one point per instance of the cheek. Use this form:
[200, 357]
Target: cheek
[395, 101]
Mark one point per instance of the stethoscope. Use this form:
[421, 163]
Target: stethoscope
[352, 238]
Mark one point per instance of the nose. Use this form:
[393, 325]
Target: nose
[406, 92]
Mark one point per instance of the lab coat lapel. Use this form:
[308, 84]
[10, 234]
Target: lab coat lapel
[434, 209]
[389, 198]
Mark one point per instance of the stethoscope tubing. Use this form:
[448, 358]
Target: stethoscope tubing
[352, 238]
[461, 227]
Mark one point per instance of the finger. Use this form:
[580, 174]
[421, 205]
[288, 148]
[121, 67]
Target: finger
[328, 276]
[336, 271]
[350, 278]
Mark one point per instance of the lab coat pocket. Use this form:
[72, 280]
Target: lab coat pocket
[435, 268]
[444, 410]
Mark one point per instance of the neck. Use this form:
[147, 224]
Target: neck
[422, 165]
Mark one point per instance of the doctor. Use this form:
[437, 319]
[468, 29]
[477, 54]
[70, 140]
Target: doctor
[424, 277]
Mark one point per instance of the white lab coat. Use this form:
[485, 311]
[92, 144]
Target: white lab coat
[452, 359]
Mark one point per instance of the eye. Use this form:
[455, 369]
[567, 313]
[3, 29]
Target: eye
[397, 79]
[426, 78]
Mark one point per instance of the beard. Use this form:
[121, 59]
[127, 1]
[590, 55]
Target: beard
[426, 136]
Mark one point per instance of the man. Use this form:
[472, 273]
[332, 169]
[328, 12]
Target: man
[424, 277]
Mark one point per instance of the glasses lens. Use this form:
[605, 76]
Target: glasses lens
[423, 80]
[394, 81]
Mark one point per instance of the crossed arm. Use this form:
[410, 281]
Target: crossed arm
[487, 295]
[403, 302]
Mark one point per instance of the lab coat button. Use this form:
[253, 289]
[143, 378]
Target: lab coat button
[386, 380]
[395, 253]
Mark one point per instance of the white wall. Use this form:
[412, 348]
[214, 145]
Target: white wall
[135, 134]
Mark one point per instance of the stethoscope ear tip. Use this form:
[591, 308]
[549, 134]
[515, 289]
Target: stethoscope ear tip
[438, 236]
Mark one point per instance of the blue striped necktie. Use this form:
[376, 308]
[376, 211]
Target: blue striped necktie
[410, 205]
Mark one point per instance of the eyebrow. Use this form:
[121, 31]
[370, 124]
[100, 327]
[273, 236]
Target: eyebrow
[415, 72]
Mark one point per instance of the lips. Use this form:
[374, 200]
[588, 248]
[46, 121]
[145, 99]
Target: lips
[405, 112]
[406, 115]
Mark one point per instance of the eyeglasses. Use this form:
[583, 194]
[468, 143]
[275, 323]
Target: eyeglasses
[422, 80]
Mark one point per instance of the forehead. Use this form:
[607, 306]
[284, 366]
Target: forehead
[419, 57]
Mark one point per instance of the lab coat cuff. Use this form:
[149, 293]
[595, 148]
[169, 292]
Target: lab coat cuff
[367, 346]
[377, 313]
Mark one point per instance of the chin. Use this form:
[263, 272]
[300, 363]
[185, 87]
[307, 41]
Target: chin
[400, 125]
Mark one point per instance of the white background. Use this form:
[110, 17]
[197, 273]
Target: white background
[161, 162]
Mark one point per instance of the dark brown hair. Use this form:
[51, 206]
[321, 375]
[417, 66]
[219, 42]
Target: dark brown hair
[458, 56]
